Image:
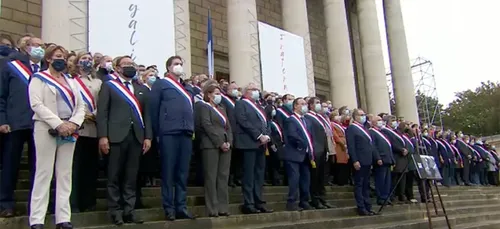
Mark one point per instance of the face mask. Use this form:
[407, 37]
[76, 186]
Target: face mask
[326, 110]
[380, 124]
[86, 65]
[453, 141]
[461, 135]
[37, 53]
[329, 106]
[217, 99]
[346, 112]
[5, 50]
[289, 104]
[234, 93]
[362, 119]
[467, 141]
[425, 134]
[273, 113]
[129, 72]
[317, 107]
[479, 142]
[394, 124]
[151, 80]
[255, 95]
[108, 66]
[59, 64]
[304, 109]
[178, 70]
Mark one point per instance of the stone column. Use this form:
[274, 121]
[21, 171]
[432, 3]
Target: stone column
[243, 39]
[373, 59]
[402, 79]
[340, 65]
[183, 33]
[65, 23]
[295, 21]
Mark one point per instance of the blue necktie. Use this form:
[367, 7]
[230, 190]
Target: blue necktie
[304, 122]
[127, 85]
[35, 68]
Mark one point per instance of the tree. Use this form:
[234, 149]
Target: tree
[475, 112]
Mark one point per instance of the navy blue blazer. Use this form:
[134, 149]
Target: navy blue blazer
[249, 126]
[296, 144]
[171, 112]
[228, 103]
[15, 109]
[444, 152]
[360, 146]
[318, 134]
[382, 146]
[282, 114]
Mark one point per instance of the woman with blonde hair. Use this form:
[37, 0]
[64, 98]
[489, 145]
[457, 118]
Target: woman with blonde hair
[58, 113]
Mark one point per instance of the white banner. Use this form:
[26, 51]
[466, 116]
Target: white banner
[282, 60]
[144, 30]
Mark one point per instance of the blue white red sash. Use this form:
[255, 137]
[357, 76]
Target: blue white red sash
[326, 122]
[229, 100]
[283, 112]
[315, 117]
[259, 111]
[65, 92]
[278, 129]
[396, 134]
[87, 96]
[177, 86]
[113, 76]
[427, 141]
[306, 134]
[218, 112]
[457, 151]
[362, 130]
[197, 87]
[382, 135]
[408, 140]
[339, 127]
[474, 150]
[130, 98]
[198, 96]
[20, 70]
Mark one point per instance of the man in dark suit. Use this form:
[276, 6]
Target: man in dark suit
[251, 136]
[229, 97]
[399, 152]
[16, 116]
[172, 114]
[467, 152]
[283, 112]
[382, 172]
[297, 159]
[318, 134]
[124, 131]
[362, 153]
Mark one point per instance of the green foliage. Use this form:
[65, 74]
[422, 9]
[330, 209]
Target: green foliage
[475, 112]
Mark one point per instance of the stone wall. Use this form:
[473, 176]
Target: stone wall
[19, 17]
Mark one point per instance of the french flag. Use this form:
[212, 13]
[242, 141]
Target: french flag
[210, 47]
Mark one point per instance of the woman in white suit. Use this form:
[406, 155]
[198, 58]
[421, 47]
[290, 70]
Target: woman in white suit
[59, 111]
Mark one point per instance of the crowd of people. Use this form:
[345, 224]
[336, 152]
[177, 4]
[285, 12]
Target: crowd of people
[75, 110]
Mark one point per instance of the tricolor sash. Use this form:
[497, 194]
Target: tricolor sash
[259, 111]
[278, 129]
[20, 70]
[179, 88]
[218, 112]
[65, 92]
[229, 100]
[396, 134]
[427, 141]
[362, 130]
[130, 98]
[283, 112]
[306, 134]
[198, 96]
[408, 140]
[315, 117]
[87, 96]
[339, 126]
[113, 76]
[197, 87]
[474, 151]
[326, 122]
[383, 136]
[457, 151]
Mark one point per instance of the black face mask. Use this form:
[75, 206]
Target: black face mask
[269, 101]
[58, 64]
[129, 71]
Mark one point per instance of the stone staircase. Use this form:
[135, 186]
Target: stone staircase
[467, 207]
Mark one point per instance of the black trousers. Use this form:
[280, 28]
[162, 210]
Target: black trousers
[317, 188]
[85, 170]
[342, 174]
[273, 165]
[399, 190]
[123, 167]
[408, 184]
[235, 170]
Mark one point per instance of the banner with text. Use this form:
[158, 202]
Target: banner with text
[282, 60]
[144, 30]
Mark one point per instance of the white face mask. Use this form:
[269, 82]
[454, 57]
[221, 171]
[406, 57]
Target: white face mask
[178, 70]
[109, 66]
[217, 99]
[380, 124]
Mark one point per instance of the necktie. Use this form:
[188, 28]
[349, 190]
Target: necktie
[127, 84]
[303, 121]
[35, 68]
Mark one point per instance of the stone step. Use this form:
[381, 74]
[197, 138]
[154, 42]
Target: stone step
[488, 224]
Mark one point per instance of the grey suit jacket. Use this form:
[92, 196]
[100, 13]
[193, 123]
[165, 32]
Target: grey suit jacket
[210, 131]
[115, 116]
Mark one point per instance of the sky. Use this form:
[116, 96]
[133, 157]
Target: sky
[460, 37]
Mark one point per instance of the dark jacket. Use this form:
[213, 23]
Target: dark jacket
[171, 111]
[360, 146]
[249, 125]
[116, 116]
[383, 146]
[296, 143]
[228, 104]
[398, 144]
[212, 130]
[318, 135]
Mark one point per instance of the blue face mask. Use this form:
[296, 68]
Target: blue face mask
[289, 104]
[317, 107]
[86, 65]
[151, 80]
[5, 50]
[362, 119]
[37, 53]
[59, 64]
[304, 109]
